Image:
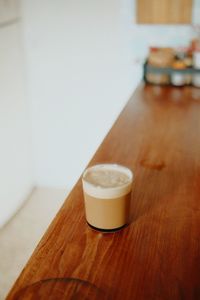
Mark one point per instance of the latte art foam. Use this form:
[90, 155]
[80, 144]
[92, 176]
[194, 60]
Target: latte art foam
[106, 178]
[107, 181]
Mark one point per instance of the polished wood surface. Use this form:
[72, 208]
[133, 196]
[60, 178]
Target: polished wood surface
[157, 256]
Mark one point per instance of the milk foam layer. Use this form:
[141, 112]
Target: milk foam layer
[106, 178]
[107, 181]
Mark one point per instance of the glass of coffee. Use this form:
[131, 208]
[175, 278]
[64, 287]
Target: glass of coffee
[107, 195]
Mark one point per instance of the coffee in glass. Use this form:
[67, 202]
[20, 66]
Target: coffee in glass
[107, 193]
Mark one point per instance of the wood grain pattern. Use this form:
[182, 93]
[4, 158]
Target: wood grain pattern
[157, 256]
[164, 11]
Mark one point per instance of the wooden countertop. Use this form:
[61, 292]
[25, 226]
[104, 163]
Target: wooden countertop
[157, 256]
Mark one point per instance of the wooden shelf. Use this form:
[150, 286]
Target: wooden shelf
[164, 11]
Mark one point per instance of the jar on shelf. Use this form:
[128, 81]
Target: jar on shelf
[158, 78]
[178, 77]
[196, 80]
[196, 59]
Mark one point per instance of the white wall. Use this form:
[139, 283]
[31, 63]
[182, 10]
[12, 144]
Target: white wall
[77, 82]
[15, 157]
[81, 68]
